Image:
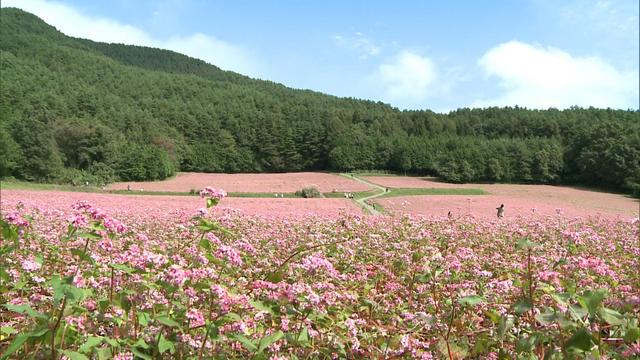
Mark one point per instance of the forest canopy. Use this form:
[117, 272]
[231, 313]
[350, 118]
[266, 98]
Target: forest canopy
[74, 110]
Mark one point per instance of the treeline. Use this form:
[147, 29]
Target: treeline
[73, 110]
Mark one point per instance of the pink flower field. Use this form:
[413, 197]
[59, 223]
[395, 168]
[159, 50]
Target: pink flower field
[484, 206]
[272, 183]
[93, 276]
[519, 200]
[177, 208]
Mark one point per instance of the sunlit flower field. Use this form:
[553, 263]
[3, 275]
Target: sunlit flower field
[81, 283]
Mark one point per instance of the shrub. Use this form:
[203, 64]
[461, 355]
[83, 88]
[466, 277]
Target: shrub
[309, 192]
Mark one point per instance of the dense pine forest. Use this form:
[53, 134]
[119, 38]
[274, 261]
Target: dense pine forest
[74, 110]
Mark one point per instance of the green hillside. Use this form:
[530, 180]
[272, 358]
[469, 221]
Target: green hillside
[77, 110]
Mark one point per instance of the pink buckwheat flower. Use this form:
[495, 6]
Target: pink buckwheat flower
[123, 356]
[230, 254]
[212, 193]
[30, 264]
[78, 221]
[196, 317]
[16, 219]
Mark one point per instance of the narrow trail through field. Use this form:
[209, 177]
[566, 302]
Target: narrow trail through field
[363, 201]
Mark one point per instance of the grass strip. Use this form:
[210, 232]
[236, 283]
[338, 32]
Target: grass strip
[25, 185]
[262, 195]
[394, 192]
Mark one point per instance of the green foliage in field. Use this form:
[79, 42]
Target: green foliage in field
[128, 112]
[309, 192]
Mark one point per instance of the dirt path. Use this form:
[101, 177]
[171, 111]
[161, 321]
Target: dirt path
[363, 201]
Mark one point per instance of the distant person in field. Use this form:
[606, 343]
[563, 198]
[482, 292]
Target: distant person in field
[449, 215]
[500, 211]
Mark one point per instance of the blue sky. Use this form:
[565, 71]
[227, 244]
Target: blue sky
[437, 55]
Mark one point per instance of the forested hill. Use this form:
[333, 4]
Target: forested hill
[75, 110]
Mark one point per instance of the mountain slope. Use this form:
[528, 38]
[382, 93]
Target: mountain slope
[73, 109]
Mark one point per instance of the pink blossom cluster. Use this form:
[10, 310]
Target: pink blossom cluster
[210, 192]
[318, 262]
[95, 213]
[16, 218]
[229, 254]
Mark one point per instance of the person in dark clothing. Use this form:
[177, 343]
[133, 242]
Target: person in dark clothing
[500, 211]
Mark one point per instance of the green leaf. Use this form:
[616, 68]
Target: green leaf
[214, 332]
[141, 344]
[506, 323]
[632, 335]
[143, 318]
[124, 302]
[368, 303]
[74, 355]
[581, 340]
[526, 344]
[9, 231]
[303, 337]
[229, 317]
[39, 332]
[212, 202]
[457, 351]
[423, 278]
[140, 354]
[546, 317]
[74, 294]
[15, 345]
[82, 255]
[275, 277]
[269, 339]
[25, 309]
[8, 330]
[561, 298]
[4, 275]
[205, 244]
[577, 312]
[112, 342]
[91, 342]
[522, 306]
[167, 321]
[611, 316]
[164, 345]
[244, 341]
[124, 268]
[591, 300]
[104, 353]
[494, 316]
[524, 243]
[470, 300]
[261, 306]
[89, 235]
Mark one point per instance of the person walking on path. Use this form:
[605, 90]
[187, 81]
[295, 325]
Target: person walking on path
[500, 211]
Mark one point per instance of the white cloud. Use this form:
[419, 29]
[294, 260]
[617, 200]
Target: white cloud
[359, 43]
[222, 54]
[538, 77]
[407, 79]
[73, 23]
